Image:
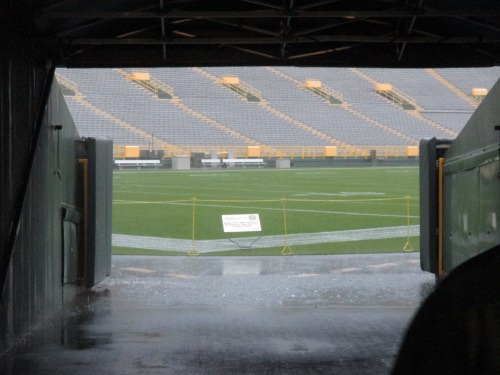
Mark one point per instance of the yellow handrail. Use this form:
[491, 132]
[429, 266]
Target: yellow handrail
[440, 272]
[273, 152]
[398, 97]
[326, 92]
[67, 83]
[244, 89]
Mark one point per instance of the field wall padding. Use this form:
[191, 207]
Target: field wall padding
[100, 195]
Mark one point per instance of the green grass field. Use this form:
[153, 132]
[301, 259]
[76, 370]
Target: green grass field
[161, 204]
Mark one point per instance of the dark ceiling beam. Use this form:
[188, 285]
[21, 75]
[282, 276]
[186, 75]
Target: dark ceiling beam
[91, 23]
[57, 3]
[481, 24]
[278, 40]
[87, 24]
[328, 51]
[253, 52]
[53, 5]
[137, 31]
[286, 28]
[410, 28]
[345, 21]
[311, 54]
[423, 13]
[244, 27]
[263, 3]
[322, 27]
[317, 4]
[75, 28]
[184, 34]
[163, 29]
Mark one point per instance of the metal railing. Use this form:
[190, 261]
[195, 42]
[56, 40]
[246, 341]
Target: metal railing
[398, 97]
[274, 152]
[154, 85]
[67, 83]
[327, 93]
[244, 89]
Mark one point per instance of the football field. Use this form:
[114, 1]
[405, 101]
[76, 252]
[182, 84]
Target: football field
[296, 207]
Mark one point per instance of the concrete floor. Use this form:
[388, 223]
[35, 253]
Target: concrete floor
[343, 314]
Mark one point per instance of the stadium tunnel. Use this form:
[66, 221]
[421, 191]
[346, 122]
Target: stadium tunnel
[42, 156]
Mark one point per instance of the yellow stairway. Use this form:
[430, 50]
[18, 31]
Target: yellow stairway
[78, 97]
[414, 113]
[218, 125]
[346, 107]
[142, 134]
[200, 116]
[264, 104]
[473, 102]
[301, 125]
[434, 124]
[378, 124]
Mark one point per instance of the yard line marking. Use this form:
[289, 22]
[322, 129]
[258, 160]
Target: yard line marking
[341, 194]
[184, 202]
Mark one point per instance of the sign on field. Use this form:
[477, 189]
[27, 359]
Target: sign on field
[241, 223]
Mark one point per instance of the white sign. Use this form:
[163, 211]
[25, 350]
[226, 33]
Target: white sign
[241, 223]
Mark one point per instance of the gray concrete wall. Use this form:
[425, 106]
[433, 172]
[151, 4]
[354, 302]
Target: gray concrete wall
[34, 289]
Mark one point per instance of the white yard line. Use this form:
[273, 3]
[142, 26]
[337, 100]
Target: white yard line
[117, 201]
[206, 246]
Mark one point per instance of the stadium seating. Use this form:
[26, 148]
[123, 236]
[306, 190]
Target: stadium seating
[467, 79]
[450, 119]
[223, 105]
[361, 96]
[206, 113]
[421, 86]
[128, 101]
[91, 124]
[306, 107]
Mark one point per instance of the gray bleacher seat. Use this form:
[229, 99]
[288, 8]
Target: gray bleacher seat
[110, 91]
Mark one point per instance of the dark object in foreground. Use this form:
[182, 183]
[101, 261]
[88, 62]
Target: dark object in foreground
[457, 329]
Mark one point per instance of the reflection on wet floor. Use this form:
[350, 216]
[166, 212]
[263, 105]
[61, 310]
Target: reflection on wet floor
[252, 315]
[235, 266]
[76, 320]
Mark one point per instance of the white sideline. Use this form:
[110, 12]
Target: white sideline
[206, 246]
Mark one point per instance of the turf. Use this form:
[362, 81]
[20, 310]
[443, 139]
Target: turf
[117, 250]
[387, 245]
[173, 204]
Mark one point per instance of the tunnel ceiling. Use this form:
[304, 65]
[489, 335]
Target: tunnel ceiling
[347, 33]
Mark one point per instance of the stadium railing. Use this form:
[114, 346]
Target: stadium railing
[275, 152]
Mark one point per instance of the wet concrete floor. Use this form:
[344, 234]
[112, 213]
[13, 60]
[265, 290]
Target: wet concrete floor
[342, 314]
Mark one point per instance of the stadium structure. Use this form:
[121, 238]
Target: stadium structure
[272, 112]
[55, 210]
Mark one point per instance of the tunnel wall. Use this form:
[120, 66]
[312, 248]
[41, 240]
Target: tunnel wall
[34, 288]
[471, 185]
